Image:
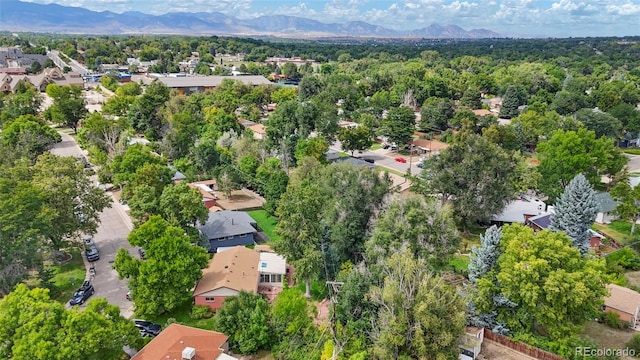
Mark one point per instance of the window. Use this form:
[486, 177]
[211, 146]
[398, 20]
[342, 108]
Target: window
[270, 278]
[229, 237]
[263, 265]
[209, 299]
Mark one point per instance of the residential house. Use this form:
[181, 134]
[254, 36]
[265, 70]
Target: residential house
[229, 228]
[207, 188]
[543, 222]
[186, 343]
[427, 146]
[482, 112]
[519, 210]
[177, 175]
[624, 302]
[192, 84]
[470, 343]
[259, 131]
[606, 208]
[228, 273]
[238, 269]
[273, 272]
[13, 57]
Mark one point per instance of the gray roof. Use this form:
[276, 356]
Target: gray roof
[210, 81]
[515, 211]
[606, 204]
[227, 223]
[543, 220]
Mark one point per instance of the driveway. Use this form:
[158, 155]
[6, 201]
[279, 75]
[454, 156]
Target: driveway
[115, 226]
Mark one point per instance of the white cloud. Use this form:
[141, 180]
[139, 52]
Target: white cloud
[625, 9]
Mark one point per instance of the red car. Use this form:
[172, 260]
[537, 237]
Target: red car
[401, 160]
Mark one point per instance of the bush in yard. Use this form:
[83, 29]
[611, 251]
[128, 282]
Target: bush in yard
[199, 312]
[613, 320]
[634, 344]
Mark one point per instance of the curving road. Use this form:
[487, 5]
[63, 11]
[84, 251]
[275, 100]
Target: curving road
[115, 226]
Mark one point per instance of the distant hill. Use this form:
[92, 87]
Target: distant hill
[24, 16]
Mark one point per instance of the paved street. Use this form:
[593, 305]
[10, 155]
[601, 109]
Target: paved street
[62, 61]
[634, 163]
[386, 158]
[111, 236]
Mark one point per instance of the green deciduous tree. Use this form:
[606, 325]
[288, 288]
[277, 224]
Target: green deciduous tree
[399, 125]
[75, 202]
[422, 227]
[182, 206]
[419, 315]
[245, 318]
[173, 264]
[28, 136]
[145, 113]
[628, 199]
[125, 165]
[599, 122]
[68, 105]
[568, 153]
[554, 288]
[315, 147]
[359, 138]
[575, 212]
[32, 326]
[301, 229]
[474, 175]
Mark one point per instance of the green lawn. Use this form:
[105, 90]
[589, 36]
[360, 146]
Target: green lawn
[375, 146]
[459, 263]
[68, 277]
[619, 230]
[182, 316]
[266, 222]
[319, 289]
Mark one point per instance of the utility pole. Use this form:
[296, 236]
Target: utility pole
[334, 290]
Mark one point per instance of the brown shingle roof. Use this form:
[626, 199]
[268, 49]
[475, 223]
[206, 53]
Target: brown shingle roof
[482, 112]
[258, 128]
[431, 145]
[235, 269]
[172, 340]
[622, 298]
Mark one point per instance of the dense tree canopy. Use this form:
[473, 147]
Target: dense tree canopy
[173, 264]
[32, 326]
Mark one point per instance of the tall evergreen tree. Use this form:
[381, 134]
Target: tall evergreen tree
[575, 212]
[484, 258]
[510, 102]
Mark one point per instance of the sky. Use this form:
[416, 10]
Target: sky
[553, 18]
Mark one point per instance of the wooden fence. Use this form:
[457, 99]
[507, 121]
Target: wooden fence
[520, 347]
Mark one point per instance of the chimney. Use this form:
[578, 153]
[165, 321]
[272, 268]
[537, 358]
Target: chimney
[188, 353]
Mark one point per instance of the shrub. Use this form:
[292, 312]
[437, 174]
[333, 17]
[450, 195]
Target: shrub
[613, 320]
[634, 344]
[201, 312]
[626, 258]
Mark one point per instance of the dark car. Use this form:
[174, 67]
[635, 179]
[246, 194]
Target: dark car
[369, 160]
[80, 296]
[92, 253]
[420, 165]
[147, 327]
[142, 254]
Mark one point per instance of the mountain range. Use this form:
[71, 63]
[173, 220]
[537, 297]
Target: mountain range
[24, 16]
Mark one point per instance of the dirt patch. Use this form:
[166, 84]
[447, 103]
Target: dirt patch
[633, 277]
[323, 312]
[607, 337]
[240, 200]
[494, 351]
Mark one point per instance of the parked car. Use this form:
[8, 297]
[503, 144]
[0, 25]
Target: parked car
[88, 241]
[128, 296]
[83, 294]
[401, 160]
[93, 254]
[142, 254]
[369, 160]
[420, 165]
[147, 327]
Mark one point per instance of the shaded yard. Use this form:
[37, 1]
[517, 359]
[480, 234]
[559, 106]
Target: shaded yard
[66, 277]
[182, 316]
[266, 223]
